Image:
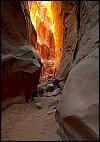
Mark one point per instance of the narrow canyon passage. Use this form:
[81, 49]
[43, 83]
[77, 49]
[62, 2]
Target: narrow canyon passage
[48, 23]
[49, 70]
[35, 121]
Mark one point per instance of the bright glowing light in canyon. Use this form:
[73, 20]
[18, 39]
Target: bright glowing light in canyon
[47, 23]
[42, 12]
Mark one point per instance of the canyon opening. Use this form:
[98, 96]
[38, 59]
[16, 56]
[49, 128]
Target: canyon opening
[47, 20]
[49, 70]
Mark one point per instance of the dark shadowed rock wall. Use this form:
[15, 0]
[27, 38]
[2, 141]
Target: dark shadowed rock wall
[78, 114]
[20, 63]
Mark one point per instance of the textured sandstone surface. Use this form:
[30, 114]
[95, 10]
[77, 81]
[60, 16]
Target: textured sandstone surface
[47, 17]
[20, 64]
[78, 111]
[69, 38]
[80, 97]
[57, 18]
[24, 122]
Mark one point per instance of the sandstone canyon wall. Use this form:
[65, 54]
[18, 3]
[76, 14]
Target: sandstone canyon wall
[78, 113]
[32, 35]
[68, 41]
[57, 18]
[47, 18]
[69, 38]
[20, 63]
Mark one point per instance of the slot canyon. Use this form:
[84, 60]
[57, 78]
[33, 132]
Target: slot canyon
[49, 70]
[48, 25]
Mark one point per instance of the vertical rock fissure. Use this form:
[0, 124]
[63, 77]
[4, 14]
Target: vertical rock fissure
[78, 27]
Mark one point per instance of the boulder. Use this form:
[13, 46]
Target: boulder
[45, 101]
[19, 72]
[56, 92]
[50, 87]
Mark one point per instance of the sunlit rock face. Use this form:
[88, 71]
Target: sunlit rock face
[47, 18]
[57, 18]
[31, 33]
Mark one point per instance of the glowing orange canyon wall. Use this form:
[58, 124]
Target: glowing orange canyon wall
[47, 18]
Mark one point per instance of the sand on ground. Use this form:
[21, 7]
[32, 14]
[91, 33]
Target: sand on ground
[24, 122]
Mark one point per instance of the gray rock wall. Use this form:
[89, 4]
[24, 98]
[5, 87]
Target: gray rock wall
[69, 38]
[78, 114]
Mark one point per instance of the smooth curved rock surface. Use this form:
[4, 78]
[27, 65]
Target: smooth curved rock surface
[78, 114]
